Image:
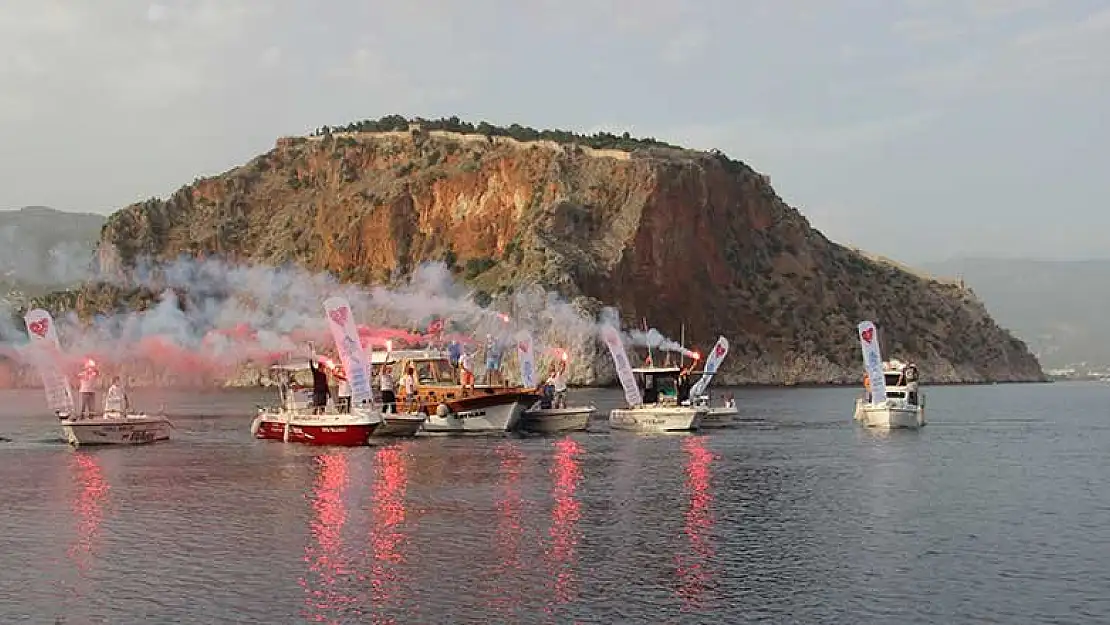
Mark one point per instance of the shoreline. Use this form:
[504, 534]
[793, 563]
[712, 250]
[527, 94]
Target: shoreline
[754, 386]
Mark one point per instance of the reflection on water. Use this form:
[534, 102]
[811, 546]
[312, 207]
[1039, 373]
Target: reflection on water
[566, 472]
[694, 567]
[509, 528]
[324, 554]
[387, 538]
[89, 500]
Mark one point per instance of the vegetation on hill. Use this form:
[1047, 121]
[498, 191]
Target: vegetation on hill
[597, 141]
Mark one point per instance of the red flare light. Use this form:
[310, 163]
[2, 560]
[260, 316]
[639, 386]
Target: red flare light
[389, 346]
[90, 363]
[696, 356]
[564, 355]
[503, 317]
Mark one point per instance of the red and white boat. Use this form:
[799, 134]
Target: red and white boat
[294, 422]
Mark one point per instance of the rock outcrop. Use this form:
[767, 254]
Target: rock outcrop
[671, 235]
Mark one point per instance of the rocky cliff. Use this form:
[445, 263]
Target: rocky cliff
[671, 235]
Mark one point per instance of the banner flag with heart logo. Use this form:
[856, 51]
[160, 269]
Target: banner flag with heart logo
[872, 361]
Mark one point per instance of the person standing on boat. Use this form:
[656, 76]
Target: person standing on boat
[342, 392]
[385, 385]
[454, 352]
[87, 388]
[558, 381]
[466, 371]
[408, 385]
[684, 386]
[319, 386]
[866, 387]
[115, 400]
[493, 360]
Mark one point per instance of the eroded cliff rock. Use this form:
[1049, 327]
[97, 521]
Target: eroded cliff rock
[676, 236]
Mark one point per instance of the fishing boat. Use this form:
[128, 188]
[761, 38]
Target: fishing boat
[546, 416]
[722, 416]
[294, 421]
[893, 399]
[659, 410]
[296, 405]
[114, 428]
[111, 427]
[715, 416]
[449, 410]
[541, 420]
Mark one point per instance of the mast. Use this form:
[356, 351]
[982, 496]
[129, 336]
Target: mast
[651, 356]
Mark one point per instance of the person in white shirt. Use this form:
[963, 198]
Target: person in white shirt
[558, 380]
[408, 385]
[385, 385]
[466, 371]
[87, 389]
[115, 400]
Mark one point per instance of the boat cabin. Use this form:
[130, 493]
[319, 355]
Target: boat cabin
[436, 379]
[659, 384]
[900, 378]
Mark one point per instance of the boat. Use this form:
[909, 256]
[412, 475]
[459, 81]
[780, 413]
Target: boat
[293, 420]
[114, 428]
[540, 420]
[894, 400]
[717, 416]
[659, 410]
[486, 409]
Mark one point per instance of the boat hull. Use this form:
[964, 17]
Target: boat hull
[460, 418]
[340, 430]
[650, 419]
[129, 430]
[553, 420]
[400, 425]
[720, 417]
[890, 416]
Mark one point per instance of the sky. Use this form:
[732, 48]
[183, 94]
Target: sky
[917, 129]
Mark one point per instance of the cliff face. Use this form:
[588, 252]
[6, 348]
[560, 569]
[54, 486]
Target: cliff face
[671, 235]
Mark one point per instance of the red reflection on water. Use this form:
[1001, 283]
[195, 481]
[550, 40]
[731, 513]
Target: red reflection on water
[693, 568]
[89, 499]
[386, 537]
[566, 472]
[323, 555]
[509, 527]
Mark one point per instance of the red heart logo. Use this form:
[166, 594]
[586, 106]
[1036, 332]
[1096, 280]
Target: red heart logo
[339, 316]
[721, 350]
[522, 346]
[40, 327]
[867, 335]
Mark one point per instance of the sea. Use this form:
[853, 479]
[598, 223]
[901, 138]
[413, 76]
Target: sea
[998, 511]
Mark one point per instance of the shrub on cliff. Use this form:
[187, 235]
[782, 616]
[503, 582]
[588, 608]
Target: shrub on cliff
[597, 141]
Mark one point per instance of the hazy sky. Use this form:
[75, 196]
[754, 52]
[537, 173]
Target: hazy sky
[919, 129]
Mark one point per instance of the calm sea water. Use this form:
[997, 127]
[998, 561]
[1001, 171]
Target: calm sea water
[998, 511]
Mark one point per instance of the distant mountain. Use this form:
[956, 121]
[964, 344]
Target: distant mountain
[1059, 308]
[43, 248]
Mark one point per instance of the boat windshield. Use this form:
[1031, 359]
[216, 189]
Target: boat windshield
[435, 372]
[893, 379]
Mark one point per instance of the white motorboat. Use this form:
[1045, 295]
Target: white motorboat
[541, 420]
[659, 410]
[114, 428]
[717, 416]
[892, 398]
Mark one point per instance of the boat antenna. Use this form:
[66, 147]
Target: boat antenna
[651, 356]
[682, 340]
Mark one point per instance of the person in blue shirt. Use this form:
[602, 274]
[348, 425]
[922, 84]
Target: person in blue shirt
[454, 352]
[493, 361]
